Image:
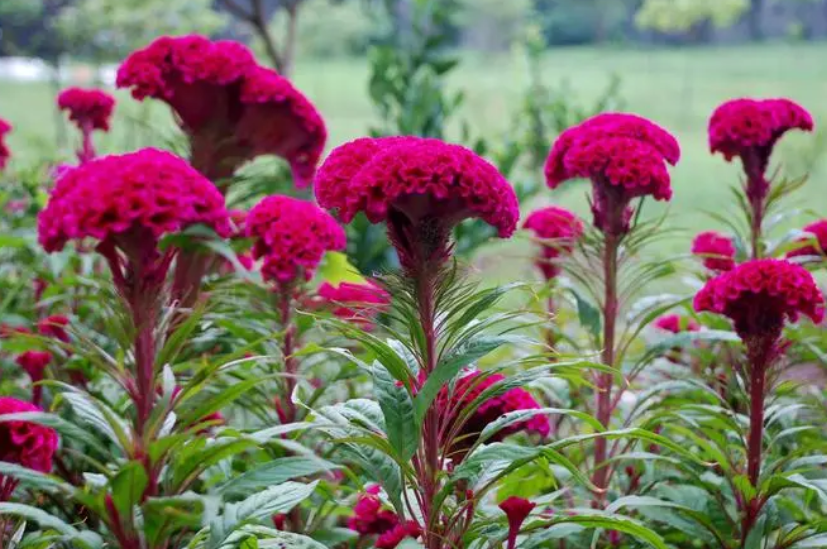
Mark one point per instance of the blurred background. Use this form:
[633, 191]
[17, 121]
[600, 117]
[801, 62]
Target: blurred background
[503, 76]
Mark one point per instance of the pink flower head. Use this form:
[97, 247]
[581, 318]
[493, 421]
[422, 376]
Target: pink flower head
[54, 326]
[88, 109]
[676, 324]
[34, 363]
[624, 156]
[466, 390]
[516, 509]
[279, 120]
[760, 294]
[421, 187]
[292, 236]
[394, 536]
[23, 442]
[129, 200]
[5, 128]
[359, 303]
[368, 515]
[559, 229]
[231, 108]
[716, 250]
[817, 240]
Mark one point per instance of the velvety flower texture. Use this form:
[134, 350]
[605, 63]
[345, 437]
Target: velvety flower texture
[232, 108]
[292, 236]
[23, 442]
[676, 324]
[129, 200]
[558, 229]
[5, 128]
[760, 294]
[54, 326]
[421, 187]
[516, 510]
[817, 240]
[466, 390]
[623, 155]
[359, 303]
[369, 518]
[88, 109]
[716, 250]
[34, 364]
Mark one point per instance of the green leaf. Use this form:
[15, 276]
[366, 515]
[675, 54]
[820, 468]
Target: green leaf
[588, 314]
[35, 479]
[518, 416]
[85, 540]
[99, 416]
[594, 519]
[395, 400]
[127, 487]
[710, 532]
[276, 499]
[275, 472]
[336, 268]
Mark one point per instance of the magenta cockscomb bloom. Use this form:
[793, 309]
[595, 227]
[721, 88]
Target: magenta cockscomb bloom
[558, 230]
[421, 187]
[358, 303]
[34, 364]
[676, 324]
[624, 156]
[369, 516]
[716, 250]
[88, 109]
[759, 295]
[394, 536]
[291, 236]
[5, 128]
[516, 510]
[231, 108]
[814, 243]
[24, 443]
[54, 326]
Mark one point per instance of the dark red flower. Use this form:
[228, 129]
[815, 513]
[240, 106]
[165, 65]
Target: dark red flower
[623, 155]
[516, 509]
[34, 363]
[369, 517]
[759, 295]
[359, 303]
[291, 236]
[394, 536]
[421, 187]
[88, 109]
[54, 326]
[5, 128]
[558, 230]
[816, 241]
[23, 442]
[716, 250]
[676, 324]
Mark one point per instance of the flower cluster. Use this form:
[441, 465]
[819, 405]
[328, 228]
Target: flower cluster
[232, 108]
[624, 156]
[88, 109]
[291, 236]
[147, 193]
[676, 324]
[760, 294]
[466, 390]
[558, 229]
[741, 126]
[369, 518]
[5, 128]
[23, 442]
[358, 303]
[815, 243]
[716, 250]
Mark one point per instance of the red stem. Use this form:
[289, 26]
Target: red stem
[758, 353]
[87, 150]
[288, 349]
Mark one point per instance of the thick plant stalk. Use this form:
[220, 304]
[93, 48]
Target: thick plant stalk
[87, 150]
[756, 191]
[285, 305]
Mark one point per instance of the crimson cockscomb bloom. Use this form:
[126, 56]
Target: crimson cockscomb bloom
[716, 250]
[394, 536]
[516, 510]
[676, 324]
[54, 326]
[5, 128]
[23, 443]
[90, 110]
[557, 230]
[231, 108]
[623, 155]
[355, 302]
[421, 187]
[291, 236]
[369, 517]
[34, 364]
[815, 242]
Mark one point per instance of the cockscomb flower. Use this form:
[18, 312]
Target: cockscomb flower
[369, 518]
[24, 443]
[716, 250]
[421, 187]
[88, 109]
[358, 303]
[394, 536]
[54, 326]
[676, 324]
[34, 364]
[623, 155]
[291, 236]
[815, 243]
[759, 295]
[5, 128]
[231, 108]
[516, 510]
[558, 229]
[466, 390]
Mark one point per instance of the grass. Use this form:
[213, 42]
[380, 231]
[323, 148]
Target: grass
[676, 87]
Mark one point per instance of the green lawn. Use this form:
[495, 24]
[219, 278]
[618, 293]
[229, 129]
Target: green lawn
[678, 88]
